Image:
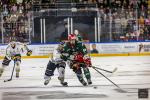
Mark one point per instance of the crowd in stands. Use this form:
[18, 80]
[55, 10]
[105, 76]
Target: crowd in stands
[15, 15]
[129, 19]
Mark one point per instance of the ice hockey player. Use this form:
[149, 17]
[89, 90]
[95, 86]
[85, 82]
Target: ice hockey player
[13, 52]
[56, 62]
[73, 50]
[78, 36]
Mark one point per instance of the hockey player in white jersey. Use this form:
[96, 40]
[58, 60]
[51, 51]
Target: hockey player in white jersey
[13, 52]
[56, 62]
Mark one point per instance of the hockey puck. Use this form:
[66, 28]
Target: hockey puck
[95, 87]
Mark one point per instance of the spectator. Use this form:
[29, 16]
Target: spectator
[14, 18]
[141, 21]
[147, 21]
[64, 35]
[14, 8]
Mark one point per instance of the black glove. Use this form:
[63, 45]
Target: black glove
[29, 52]
[16, 57]
[64, 58]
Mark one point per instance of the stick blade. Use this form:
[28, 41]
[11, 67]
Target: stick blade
[7, 80]
[120, 90]
[115, 70]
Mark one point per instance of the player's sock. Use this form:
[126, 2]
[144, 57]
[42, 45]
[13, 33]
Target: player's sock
[17, 71]
[80, 78]
[87, 75]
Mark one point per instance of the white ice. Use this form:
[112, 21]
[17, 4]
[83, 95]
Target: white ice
[133, 73]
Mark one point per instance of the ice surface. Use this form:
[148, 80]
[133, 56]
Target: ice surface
[133, 73]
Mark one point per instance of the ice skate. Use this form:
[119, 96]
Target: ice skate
[84, 83]
[1, 71]
[47, 81]
[64, 83]
[17, 75]
[89, 81]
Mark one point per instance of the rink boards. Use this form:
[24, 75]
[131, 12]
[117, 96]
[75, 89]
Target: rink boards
[104, 49]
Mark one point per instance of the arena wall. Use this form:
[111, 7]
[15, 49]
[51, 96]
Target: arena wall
[104, 49]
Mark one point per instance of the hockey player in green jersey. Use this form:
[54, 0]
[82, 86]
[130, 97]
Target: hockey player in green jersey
[77, 55]
[78, 36]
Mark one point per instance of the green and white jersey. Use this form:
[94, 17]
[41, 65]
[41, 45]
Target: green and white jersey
[71, 49]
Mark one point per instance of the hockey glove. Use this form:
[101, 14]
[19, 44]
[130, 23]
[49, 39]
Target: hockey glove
[71, 57]
[16, 57]
[87, 61]
[13, 58]
[63, 57]
[74, 66]
[29, 52]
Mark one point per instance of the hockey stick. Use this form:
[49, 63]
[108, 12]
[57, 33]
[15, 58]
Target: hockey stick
[114, 70]
[108, 79]
[11, 73]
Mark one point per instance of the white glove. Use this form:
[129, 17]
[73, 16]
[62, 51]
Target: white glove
[71, 57]
[86, 56]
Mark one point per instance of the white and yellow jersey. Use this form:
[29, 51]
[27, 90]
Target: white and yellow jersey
[18, 49]
[56, 56]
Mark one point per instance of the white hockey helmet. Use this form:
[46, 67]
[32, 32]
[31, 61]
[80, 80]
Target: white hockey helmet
[13, 44]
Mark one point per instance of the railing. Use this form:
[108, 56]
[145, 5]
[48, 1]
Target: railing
[43, 6]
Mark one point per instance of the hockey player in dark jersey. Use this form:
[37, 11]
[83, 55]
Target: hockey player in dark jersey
[77, 54]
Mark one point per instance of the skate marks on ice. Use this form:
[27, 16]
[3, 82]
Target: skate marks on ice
[133, 73]
[60, 94]
[97, 87]
[27, 95]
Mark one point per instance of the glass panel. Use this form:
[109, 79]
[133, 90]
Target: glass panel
[115, 24]
[121, 25]
[1, 27]
[85, 26]
[56, 29]
[37, 31]
[16, 27]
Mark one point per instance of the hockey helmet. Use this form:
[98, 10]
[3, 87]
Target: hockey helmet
[60, 47]
[72, 37]
[12, 44]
